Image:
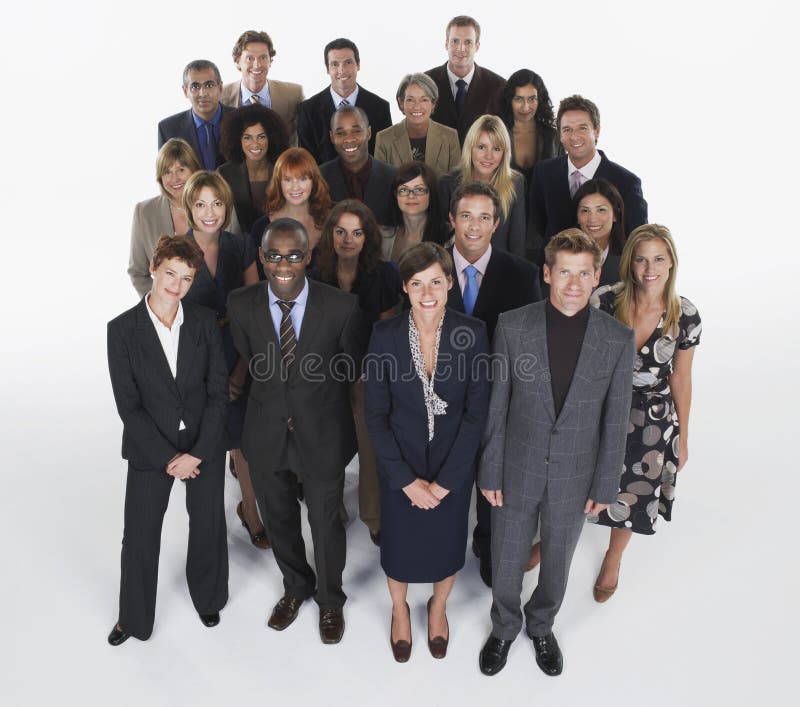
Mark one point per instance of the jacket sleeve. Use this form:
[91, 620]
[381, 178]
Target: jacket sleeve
[240, 339]
[635, 206]
[381, 148]
[516, 220]
[614, 430]
[305, 131]
[139, 260]
[139, 426]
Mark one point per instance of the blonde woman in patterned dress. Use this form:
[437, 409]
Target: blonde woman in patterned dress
[667, 330]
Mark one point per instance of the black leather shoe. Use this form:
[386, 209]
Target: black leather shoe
[285, 612]
[548, 654]
[117, 636]
[494, 653]
[401, 650]
[210, 620]
[331, 625]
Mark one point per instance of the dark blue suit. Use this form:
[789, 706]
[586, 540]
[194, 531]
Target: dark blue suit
[426, 545]
[182, 125]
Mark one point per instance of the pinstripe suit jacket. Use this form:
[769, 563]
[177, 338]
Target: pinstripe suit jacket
[579, 453]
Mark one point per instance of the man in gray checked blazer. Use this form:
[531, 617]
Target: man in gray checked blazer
[554, 444]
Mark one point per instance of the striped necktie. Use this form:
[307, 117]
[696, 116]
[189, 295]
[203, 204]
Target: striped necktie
[288, 340]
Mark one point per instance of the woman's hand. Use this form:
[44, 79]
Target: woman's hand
[418, 491]
[683, 452]
[183, 466]
[237, 379]
[439, 491]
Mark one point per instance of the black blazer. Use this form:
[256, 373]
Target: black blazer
[315, 399]
[182, 125]
[377, 195]
[152, 403]
[485, 84]
[235, 174]
[314, 121]
[610, 272]
[510, 282]
[551, 204]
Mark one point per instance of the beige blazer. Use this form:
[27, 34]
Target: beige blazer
[442, 151]
[285, 98]
[151, 220]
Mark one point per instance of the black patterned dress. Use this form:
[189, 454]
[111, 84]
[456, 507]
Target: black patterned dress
[647, 486]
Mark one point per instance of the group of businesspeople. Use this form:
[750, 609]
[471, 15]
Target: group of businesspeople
[469, 298]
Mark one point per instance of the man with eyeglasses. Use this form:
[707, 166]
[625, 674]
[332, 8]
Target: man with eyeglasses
[355, 173]
[304, 342]
[465, 89]
[199, 125]
[342, 62]
[488, 281]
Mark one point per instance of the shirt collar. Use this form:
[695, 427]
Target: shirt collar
[351, 99]
[588, 169]
[263, 94]
[299, 300]
[480, 264]
[453, 78]
[198, 121]
[157, 322]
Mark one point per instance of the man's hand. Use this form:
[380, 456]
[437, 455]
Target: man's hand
[438, 491]
[418, 491]
[495, 498]
[184, 466]
[594, 509]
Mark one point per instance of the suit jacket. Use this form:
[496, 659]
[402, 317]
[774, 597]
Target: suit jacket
[377, 195]
[510, 282]
[235, 174]
[285, 98]
[315, 398]
[442, 149]
[551, 203]
[581, 452]
[510, 233]
[395, 404]
[152, 403]
[485, 84]
[314, 121]
[182, 125]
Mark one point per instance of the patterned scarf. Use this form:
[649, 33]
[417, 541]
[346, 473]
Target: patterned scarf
[433, 403]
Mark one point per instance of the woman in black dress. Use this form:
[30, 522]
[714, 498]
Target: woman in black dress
[349, 258]
[427, 401]
[667, 330]
[228, 263]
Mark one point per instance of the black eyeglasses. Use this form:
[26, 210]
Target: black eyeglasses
[416, 191]
[293, 258]
[195, 87]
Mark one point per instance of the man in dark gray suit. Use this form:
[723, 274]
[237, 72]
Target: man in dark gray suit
[555, 441]
[355, 174]
[304, 343]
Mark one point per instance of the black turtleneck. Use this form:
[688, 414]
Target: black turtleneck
[564, 341]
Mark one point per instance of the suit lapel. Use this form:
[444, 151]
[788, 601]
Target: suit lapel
[152, 349]
[433, 145]
[263, 317]
[455, 299]
[402, 143]
[534, 341]
[488, 286]
[191, 134]
[312, 318]
[278, 99]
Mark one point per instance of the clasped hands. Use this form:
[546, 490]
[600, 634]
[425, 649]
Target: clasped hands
[183, 466]
[425, 494]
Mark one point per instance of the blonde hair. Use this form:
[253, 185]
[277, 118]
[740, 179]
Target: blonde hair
[174, 150]
[504, 178]
[196, 183]
[626, 297]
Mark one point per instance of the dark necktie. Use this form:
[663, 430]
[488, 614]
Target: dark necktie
[470, 289]
[461, 92]
[254, 99]
[288, 339]
[208, 146]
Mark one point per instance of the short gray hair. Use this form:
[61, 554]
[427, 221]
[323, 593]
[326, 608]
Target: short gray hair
[425, 82]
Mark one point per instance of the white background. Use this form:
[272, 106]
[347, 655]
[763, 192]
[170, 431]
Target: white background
[699, 99]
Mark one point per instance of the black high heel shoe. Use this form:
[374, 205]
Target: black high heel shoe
[402, 649]
[258, 539]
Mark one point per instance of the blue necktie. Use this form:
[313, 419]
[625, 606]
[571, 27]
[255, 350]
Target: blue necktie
[470, 288]
[208, 146]
[461, 91]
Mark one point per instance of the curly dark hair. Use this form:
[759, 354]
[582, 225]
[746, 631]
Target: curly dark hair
[601, 186]
[237, 121]
[501, 104]
[370, 254]
[434, 230]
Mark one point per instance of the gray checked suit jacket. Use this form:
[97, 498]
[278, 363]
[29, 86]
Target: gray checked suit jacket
[526, 449]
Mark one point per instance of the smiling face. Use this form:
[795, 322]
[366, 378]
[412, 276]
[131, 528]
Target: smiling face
[350, 136]
[571, 281]
[208, 211]
[174, 180]
[461, 45]
[596, 217]
[578, 136]
[343, 71]
[171, 281]
[254, 64]
[255, 143]
[486, 157]
[348, 237]
[286, 280]
[650, 265]
[473, 226]
[410, 203]
[203, 91]
[417, 105]
[427, 291]
[524, 103]
[296, 190]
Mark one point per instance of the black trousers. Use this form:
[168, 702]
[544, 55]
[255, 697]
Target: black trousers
[146, 498]
[276, 495]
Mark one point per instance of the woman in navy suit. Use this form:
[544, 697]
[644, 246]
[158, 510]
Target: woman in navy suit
[427, 402]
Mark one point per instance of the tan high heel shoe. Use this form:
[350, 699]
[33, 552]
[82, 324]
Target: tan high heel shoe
[603, 594]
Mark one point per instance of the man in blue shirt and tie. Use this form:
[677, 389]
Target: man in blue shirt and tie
[200, 125]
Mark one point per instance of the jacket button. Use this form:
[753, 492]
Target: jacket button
[547, 460]
[290, 424]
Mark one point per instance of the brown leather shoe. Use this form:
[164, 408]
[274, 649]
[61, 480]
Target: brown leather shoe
[259, 539]
[438, 644]
[285, 612]
[401, 650]
[331, 625]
